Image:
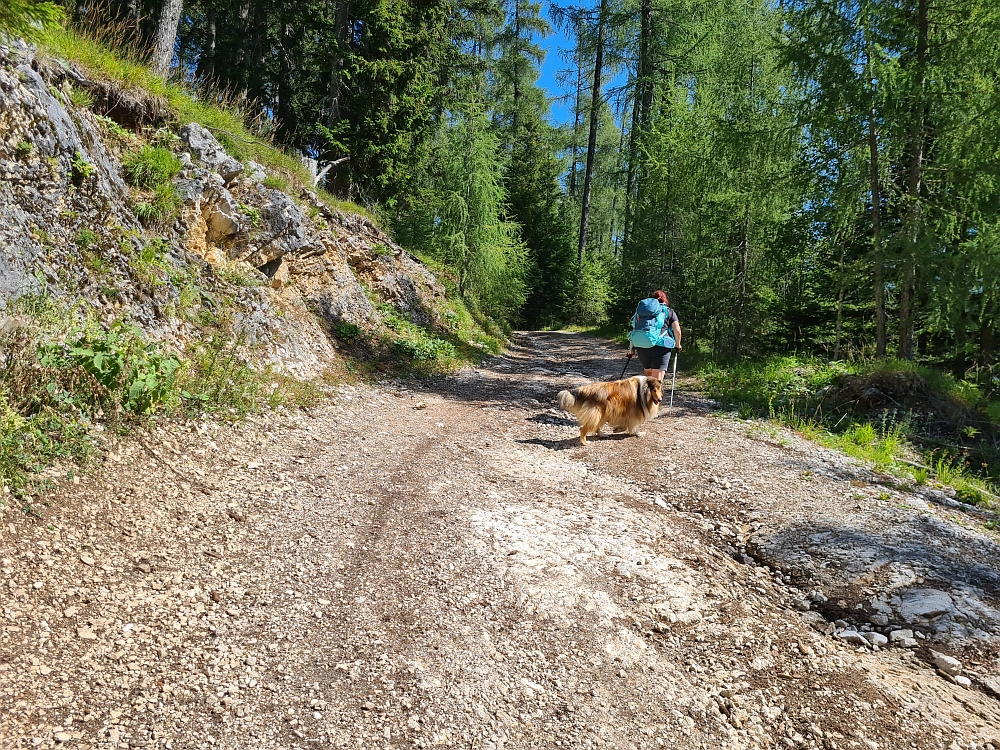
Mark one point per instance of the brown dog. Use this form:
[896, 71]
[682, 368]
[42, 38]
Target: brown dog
[623, 404]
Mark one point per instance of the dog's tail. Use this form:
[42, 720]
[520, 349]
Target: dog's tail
[567, 401]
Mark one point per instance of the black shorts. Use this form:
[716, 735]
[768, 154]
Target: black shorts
[654, 358]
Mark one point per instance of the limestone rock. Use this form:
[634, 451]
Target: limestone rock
[206, 148]
[945, 663]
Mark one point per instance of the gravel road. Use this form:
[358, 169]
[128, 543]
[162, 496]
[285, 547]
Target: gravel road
[439, 563]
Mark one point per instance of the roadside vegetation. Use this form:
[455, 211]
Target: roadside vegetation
[66, 378]
[458, 337]
[899, 417]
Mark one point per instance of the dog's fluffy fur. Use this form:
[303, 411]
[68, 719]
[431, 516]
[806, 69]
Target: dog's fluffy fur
[623, 404]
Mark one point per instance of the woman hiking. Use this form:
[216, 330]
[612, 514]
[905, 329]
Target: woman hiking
[655, 335]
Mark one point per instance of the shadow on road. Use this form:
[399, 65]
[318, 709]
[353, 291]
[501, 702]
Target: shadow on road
[539, 364]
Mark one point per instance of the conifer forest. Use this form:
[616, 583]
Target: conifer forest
[810, 176]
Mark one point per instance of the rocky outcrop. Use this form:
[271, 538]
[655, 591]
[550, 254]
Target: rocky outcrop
[56, 178]
[68, 228]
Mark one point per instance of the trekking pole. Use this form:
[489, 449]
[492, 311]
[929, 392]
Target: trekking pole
[672, 384]
[630, 355]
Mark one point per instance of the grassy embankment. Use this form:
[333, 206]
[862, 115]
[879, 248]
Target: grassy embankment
[226, 116]
[901, 418]
[65, 378]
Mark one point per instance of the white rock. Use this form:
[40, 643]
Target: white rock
[852, 636]
[946, 663]
[876, 639]
[900, 635]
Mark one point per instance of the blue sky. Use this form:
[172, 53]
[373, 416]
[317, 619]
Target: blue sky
[561, 111]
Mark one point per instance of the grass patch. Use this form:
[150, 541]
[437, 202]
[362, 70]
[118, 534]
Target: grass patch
[240, 274]
[895, 415]
[150, 167]
[161, 207]
[80, 97]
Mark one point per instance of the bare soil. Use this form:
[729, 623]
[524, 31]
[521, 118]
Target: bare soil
[439, 563]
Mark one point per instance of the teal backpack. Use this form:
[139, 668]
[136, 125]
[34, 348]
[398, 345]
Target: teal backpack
[647, 325]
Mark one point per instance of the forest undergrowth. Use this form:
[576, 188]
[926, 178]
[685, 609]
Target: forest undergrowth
[899, 417]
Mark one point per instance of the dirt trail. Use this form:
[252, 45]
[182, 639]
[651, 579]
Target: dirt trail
[439, 563]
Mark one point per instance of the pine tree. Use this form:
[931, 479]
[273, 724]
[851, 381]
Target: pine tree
[27, 19]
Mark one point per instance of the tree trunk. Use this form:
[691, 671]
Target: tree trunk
[595, 110]
[840, 305]
[337, 65]
[742, 271]
[166, 34]
[632, 156]
[287, 122]
[576, 118]
[987, 338]
[907, 289]
[641, 109]
[517, 71]
[874, 175]
[206, 64]
[743, 250]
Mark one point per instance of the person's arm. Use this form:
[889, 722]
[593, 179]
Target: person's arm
[677, 332]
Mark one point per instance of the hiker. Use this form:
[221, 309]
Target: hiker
[655, 334]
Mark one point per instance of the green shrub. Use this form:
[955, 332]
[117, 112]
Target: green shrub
[86, 239]
[28, 19]
[150, 261]
[150, 167]
[80, 168]
[23, 149]
[425, 349]
[114, 128]
[970, 496]
[347, 332]
[252, 213]
[219, 378]
[60, 372]
[58, 376]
